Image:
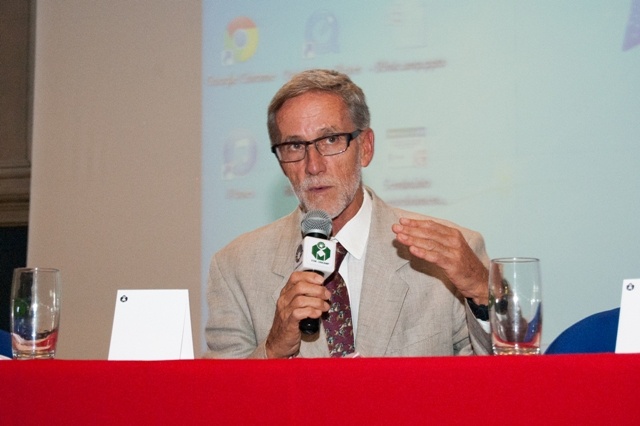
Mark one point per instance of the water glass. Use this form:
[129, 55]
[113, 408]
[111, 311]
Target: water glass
[35, 312]
[515, 306]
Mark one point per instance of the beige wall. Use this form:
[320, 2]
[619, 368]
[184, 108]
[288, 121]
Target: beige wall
[115, 191]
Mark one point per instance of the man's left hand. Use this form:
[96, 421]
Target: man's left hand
[447, 248]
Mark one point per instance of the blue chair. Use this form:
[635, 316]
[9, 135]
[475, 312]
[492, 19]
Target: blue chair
[596, 333]
[5, 344]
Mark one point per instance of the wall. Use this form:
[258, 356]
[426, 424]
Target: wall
[116, 157]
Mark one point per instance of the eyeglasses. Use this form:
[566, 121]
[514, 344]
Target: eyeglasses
[337, 143]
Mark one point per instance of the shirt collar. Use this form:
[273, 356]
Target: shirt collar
[354, 234]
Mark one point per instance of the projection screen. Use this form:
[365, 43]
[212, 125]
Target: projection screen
[517, 119]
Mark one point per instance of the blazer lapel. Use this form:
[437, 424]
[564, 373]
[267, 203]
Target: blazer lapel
[383, 290]
[285, 256]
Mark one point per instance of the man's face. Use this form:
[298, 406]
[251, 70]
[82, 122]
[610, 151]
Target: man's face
[329, 183]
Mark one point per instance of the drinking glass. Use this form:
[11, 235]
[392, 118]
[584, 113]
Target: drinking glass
[515, 306]
[35, 312]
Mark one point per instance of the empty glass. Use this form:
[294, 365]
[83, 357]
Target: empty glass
[515, 306]
[35, 312]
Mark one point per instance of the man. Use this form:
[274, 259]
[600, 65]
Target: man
[413, 282]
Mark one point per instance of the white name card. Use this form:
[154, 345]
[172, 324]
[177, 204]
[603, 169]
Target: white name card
[151, 325]
[628, 340]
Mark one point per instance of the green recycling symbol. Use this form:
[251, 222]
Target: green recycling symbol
[321, 252]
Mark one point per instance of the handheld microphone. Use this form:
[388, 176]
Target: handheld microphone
[318, 254]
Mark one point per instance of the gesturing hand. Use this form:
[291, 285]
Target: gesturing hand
[302, 297]
[446, 247]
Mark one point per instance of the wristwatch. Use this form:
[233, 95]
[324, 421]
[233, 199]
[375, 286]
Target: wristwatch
[481, 312]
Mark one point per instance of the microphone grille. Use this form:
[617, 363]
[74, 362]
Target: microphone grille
[316, 221]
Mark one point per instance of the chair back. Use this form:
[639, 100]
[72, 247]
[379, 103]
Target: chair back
[596, 333]
[5, 344]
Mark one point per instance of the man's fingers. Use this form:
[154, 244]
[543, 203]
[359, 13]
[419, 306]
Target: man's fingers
[302, 297]
[304, 283]
[427, 229]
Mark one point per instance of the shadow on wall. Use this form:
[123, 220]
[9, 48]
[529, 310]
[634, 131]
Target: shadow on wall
[13, 254]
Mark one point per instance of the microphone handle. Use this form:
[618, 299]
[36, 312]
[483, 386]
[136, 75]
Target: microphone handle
[310, 325]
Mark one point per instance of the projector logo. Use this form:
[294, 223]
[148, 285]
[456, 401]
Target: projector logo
[321, 252]
[240, 41]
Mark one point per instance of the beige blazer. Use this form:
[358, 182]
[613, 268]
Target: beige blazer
[407, 306]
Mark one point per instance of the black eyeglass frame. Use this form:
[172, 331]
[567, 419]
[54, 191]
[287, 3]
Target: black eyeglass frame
[350, 137]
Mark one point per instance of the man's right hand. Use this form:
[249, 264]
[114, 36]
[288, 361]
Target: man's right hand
[302, 297]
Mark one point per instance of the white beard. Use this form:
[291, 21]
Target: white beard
[346, 194]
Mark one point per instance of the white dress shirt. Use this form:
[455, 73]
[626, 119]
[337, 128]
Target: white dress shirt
[354, 237]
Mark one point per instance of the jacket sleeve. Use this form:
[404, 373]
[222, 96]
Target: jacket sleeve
[229, 332]
[480, 339]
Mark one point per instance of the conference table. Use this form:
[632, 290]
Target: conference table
[497, 390]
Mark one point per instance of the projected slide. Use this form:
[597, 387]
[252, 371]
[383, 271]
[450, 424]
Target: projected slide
[518, 119]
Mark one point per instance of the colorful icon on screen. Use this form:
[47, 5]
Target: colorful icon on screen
[240, 41]
[321, 34]
[240, 153]
[632, 35]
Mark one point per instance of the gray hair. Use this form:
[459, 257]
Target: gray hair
[320, 81]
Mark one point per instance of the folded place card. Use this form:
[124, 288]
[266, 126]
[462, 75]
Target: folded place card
[151, 325]
[628, 340]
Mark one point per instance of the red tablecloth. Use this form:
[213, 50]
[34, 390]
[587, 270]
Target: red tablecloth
[561, 389]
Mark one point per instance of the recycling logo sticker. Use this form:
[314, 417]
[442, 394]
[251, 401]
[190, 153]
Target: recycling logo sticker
[321, 252]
